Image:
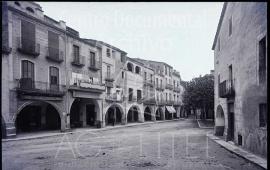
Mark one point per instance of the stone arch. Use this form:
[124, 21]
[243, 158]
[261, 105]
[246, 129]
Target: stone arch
[116, 117]
[130, 67]
[134, 114]
[159, 114]
[38, 115]
[219, 121]
[86, 109]
[147, 113]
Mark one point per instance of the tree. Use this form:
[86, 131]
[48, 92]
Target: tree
[199, 94]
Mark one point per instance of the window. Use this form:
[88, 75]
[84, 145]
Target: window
[160, 83]
[92, 59]
[166, 96]
[27, 77]
[151, 76]
[113, 54]
[137, 70]
[108, 72]
[174, 97]
[130, 67]
[165, 70]
[130, 94]
[54, 78]
[108, 52]
[28, 36]
[263, 114]
[139, 95]
[157, 81]
[230, 75]
[76, 53]
[53, 43]
[145, 75]
[123, 74]
[230, 26]
[262, 60]
[30, 9]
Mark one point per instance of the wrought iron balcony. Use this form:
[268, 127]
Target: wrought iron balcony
[26, 86]
[148, 83]
[28, 46]
[176, 103]
[161, 102]
[95, 66]
[226, 89]
[176, 89]
[78, 61]
[169, 102]
[149, 100]
[132, 99]
[113, 98]
[160, 87]
[54, 54]
[87, 85]
[109, 81]
[169, 86]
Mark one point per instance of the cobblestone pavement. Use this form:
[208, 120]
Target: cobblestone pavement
[178, 145]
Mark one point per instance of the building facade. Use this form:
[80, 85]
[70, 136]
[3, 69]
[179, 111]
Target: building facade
[240, 56]
[52, 79]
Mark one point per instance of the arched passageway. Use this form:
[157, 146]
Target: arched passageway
[133, 115]
[159, 114]
[168, 114]
[147, 114]
[83, 112]
[38, 116]
[219, 121]
[113, 116]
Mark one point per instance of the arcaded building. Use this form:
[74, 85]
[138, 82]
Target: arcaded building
[52, 79]
[240, 56]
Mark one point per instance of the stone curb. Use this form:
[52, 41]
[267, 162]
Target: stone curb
[203, 127]
[88, 130]
[240, 152]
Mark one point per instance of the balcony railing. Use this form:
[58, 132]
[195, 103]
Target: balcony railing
[28, 46]
[132, 99]
[148, 83]
[149, 101]
[96, 66]
[161, 102]
[160, 88]
[169, 86]
[176, 103]
[169, 102]
[226, 89]
[86, 84]
[54, 54]
[27, 86]
[113, 98]
[176, 89]
[78, 61]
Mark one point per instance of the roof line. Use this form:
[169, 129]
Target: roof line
[219, 24]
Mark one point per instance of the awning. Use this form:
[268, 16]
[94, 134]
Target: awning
[173, 110]
[170, 109]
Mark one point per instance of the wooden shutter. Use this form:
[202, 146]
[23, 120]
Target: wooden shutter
[28, 35]
[53, 39]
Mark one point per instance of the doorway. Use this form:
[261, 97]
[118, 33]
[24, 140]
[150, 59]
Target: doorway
[90, 114]
[231, 120]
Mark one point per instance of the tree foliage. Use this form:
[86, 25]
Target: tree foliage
[199, 93]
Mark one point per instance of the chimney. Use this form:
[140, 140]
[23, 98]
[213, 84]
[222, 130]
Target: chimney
[62, 24]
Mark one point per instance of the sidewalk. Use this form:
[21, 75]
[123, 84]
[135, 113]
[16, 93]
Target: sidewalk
[29, 136]
[206, 124]
[239, 151]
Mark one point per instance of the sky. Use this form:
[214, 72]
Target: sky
[180, 34]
